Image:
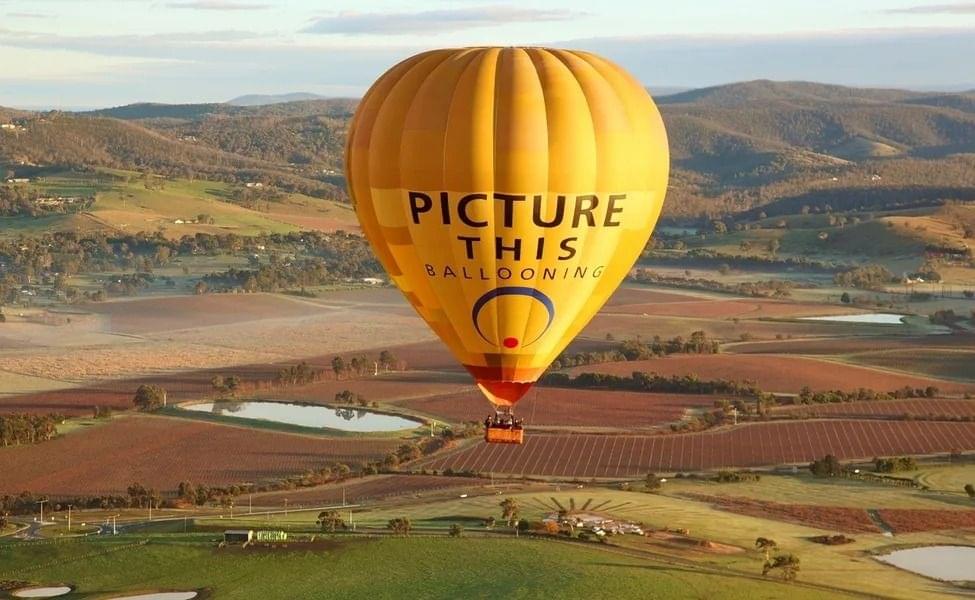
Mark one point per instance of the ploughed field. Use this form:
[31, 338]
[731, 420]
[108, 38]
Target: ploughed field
[563, 407]
[181, 343]
[727, 308]
[924, 408]
[774, 373]
[748, 445]
[160, 452]
[846, 519]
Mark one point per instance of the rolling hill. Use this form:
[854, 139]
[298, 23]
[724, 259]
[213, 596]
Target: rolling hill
[265, 99]
[734, 147]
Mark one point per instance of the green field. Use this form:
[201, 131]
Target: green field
[123, 203]
[844, 567]
[934, 362]
[372, 568]
[946, 479]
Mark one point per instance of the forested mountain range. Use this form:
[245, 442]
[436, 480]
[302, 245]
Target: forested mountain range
[734, 147]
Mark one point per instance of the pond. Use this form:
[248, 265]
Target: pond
[346, 419]
[41, 592]
[875, 318]
[948, 563]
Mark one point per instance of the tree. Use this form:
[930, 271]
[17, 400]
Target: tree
[489, 523]
[787, 563]
[149, 397]
[399, 526]
[652, 481]
[330, 521]
[509, 510]
[346, 397]
[828, 466]
[524, 525]
[766, 545]
[970, 490]
[773, 246]
[200, 288]
[386, 360]
[338, 366]
[845, 298]
[456, 531]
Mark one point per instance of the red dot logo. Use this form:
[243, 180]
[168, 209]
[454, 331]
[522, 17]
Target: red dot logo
[510, 342]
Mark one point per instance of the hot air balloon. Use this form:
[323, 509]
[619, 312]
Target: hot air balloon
[507, 192]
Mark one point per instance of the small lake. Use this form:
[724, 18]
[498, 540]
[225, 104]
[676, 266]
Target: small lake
[948, 563]
[41, 592]
[346, 419]
[875, 318]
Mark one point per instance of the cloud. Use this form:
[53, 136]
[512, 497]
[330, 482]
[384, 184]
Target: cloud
[433, 21]
[162, 45]
[217, 5]
[28, 15]
[964, 8]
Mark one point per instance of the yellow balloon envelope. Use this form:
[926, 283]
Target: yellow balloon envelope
[507, 192]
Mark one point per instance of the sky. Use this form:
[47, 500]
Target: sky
[96, 53]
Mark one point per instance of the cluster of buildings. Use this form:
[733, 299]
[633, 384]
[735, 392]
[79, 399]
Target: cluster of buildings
[597, 524]
[60, 201]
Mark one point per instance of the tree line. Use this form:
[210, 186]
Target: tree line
[651, 382]
[635, 349]
[771, 288]
[22, 429]
[51, 258]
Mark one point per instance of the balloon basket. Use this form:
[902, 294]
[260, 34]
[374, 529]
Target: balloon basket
[502, 434]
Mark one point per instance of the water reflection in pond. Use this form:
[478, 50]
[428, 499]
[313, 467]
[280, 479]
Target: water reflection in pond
[344, 418]
[948, 563]
[41, 592]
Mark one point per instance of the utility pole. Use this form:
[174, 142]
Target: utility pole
[41, 502]
[69, 517]
[285, 508]
[114, 528]
[734, 412]
[250, 503]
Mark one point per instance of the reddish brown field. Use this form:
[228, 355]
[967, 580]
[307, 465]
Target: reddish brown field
[545, 406]
[908, 520]
[777, 373]
[182, 312]
[640, 295]
[726, 309]
[834, 518]
[836, 346]
[190, 385]
[372, 488]
[884, 409]
[750, 445]
[386, 388]
[160, 452]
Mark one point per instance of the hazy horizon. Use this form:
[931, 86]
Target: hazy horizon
[656, 91]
